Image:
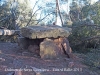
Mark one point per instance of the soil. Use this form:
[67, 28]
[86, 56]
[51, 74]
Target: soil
[12, 58]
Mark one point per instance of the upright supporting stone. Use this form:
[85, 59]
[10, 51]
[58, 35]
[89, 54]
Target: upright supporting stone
[63, 44]
[49, 50]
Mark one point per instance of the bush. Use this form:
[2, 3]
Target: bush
[92, 59]
[84, 36]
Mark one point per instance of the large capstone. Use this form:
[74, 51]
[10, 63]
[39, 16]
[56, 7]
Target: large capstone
[34, 32]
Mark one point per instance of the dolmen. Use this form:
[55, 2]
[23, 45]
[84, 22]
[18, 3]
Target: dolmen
[48, 42]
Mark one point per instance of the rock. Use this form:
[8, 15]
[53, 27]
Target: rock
[18, 73]
[34, 49]
[11, 73]
[63, 44]
[23, 42]
[71, 64]
[49, 50]
[34, 32]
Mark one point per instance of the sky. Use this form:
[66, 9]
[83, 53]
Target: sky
[64, 7]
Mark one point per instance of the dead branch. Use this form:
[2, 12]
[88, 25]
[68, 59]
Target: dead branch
[32, 14]
[43, 18]
[9, 32]
[87, 39]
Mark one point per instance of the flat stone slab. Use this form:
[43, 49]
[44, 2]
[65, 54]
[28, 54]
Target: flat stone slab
[34, 32]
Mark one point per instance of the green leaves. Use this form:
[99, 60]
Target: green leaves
[94, 11]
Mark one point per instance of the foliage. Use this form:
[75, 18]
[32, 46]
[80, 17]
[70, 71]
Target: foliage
[92, 58]
[84, 36]
[93, 11]
[16, 14]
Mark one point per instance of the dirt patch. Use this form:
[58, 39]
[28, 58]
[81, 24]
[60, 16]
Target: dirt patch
[13, 58]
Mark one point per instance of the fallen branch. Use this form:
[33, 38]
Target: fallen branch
[86, 25]
[88, 38]
[43, 18]
[9, 32]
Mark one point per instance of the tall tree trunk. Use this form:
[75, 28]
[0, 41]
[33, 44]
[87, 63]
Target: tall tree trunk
[58, 12]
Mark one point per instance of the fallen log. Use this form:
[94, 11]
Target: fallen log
[9, 32]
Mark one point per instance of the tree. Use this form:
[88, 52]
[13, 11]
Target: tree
[75, 10]
[16, 14]
[93, 11]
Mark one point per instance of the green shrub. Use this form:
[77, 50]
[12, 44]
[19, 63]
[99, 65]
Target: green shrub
[84, 36]
[92, 59]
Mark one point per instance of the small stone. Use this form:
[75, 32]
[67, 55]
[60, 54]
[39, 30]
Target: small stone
[71, 64]
[34, 32]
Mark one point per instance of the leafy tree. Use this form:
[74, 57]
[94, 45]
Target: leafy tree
[93, 11]
[16, 13]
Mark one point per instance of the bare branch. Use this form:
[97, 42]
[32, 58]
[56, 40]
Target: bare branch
[35, 4]
[32, 16]
[43, 18]
[9, 32]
